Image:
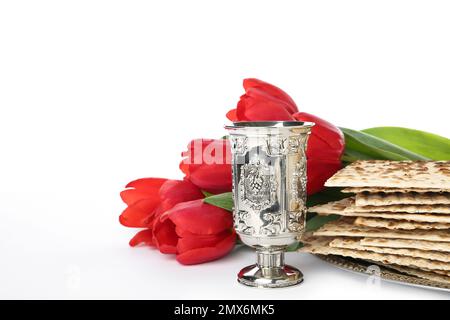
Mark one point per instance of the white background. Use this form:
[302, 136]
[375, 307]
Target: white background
[94, 94]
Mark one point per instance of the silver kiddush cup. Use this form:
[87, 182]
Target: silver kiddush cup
[269, 193]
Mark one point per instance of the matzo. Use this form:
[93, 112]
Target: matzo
[399, 198]
[420, 217]
[320, 246]
[406, 243]
[334, 207]
[354, 243]
[399, 224]
[346, 228]
[408, 208]
[391, 190]
[394, 174]
[348, 205]
[340, 207]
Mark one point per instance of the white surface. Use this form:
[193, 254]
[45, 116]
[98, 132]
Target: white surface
[87, 87]
[57, 250]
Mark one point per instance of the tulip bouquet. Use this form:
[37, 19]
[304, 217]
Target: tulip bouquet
[191, 218]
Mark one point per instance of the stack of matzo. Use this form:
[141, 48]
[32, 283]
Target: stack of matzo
[399, 217]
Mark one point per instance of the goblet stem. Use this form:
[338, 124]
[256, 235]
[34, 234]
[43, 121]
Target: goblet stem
[270, 259]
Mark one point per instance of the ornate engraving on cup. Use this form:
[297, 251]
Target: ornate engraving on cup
[238, 144]
[241, 222]
[298, 187]
[273, 224]
[257, 186]
[276, 145]
[294, 144]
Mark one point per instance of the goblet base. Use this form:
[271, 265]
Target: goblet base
[270, 277]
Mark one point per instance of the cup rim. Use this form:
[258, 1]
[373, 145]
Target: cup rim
[270, 124]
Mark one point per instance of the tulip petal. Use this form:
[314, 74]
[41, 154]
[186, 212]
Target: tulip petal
[207, 151]
[192, 241]
[200, 218]
[212, 178]
[207, 164]
[176, 191]
[165, 237]
[142, 237]
[201, 255]
[263, 111]
[150, 184]
[320, 171]
[130, 196]
[326, 141]
[139, 214]
[271, 90]
[182, 233]
[256, 105]
[231, 115]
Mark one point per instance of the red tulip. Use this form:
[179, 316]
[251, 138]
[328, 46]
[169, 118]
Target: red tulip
[264, 102]
[270, 89]
[142, 198]
[195, 231]
[207, 164]
[148, 198]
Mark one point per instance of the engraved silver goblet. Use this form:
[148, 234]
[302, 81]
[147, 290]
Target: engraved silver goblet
[269, 193]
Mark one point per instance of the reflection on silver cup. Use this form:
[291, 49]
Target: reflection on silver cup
[269, 192]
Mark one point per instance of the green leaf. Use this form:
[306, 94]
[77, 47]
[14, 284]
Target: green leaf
[294, 247]
[423, 143]
[317, 221]
[361, 145]
[352, 155]
[327, 195]
[223, 200]
[207, 194]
